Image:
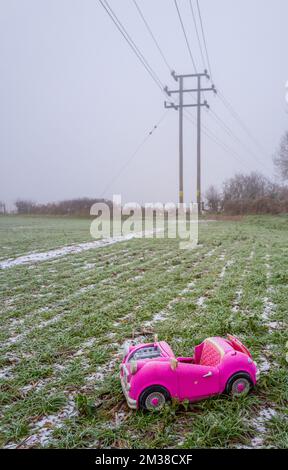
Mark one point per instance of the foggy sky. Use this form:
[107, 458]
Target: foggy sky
[75, 102]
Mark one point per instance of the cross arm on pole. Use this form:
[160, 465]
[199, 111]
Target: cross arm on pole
[176, 107]
[189, 90]
[187, 75]
[170, 105]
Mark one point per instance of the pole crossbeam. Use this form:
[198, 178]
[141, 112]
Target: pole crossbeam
[176, 106]
[179, 107]
[190, 75]
[188, 90]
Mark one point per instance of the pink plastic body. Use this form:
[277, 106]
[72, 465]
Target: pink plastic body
[194, 378]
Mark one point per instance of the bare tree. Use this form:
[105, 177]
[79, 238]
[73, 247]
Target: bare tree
[251, 194]
[2, 208]
[24, 207]
[281, 157]
[243, 187]
[213, 199]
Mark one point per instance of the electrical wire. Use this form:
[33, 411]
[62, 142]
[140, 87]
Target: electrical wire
[204, 39]
[185, 35]
[131, 43]
[216, 139]
[236, 116]
[224, 100]
[197, 34]
[158, 82]
[228, 130]
[152, 35]
[135, 153]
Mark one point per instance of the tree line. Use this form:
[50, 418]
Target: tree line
[253, 193]
[242, 194]
[248, 194]
[77, 207]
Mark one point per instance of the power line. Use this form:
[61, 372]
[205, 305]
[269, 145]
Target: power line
[134, 154]
[131, 43]
[156, 79]
[216, 140]
[236, 116]
[204, 39]
[228, 130]
[152, 35]
[224, 100]
[197, 34]
[185, 35]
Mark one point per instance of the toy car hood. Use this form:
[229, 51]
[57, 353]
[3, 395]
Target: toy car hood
[158, 349]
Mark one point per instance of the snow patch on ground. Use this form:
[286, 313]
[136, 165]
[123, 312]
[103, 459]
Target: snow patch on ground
[36, 386]
[236, 302]
[200, 302]
[137, 278]
[274, 325]
[269, 307]
[13, 340]
[210, 253]
[89, 266]
[120, 417]
[5, 373]
[51, 321]
[88, 343]
[260, 425]
[188, 288]
[66, 250]
[102, 371]
[227, 265]
[162, 315]
[264, 364]
[85, 289]
[42, 430]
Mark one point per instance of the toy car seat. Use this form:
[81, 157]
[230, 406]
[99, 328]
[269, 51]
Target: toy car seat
[211, 351]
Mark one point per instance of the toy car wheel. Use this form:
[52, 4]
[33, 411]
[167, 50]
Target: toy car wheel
[239, 385]
[154, 398]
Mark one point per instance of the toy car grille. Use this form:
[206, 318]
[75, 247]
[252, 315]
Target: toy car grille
[145, 353]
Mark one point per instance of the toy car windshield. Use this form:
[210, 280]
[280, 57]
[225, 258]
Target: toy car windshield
[149, 352]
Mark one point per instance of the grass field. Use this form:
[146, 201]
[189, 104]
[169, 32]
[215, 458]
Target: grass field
[64, 320]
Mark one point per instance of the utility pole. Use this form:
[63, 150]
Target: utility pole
[180, 107]
[198, 191]
[181, 188]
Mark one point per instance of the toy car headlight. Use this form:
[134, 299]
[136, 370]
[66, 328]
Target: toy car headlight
[126, 347]
[133, 367]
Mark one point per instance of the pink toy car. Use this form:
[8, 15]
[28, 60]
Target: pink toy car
[151, 375]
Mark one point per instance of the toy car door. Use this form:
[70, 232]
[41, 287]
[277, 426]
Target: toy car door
[197, 381]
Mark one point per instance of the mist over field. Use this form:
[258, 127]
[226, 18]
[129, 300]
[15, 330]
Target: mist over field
[143, 228]
[76, 102]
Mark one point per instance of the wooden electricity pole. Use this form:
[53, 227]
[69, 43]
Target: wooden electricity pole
[180, 106]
